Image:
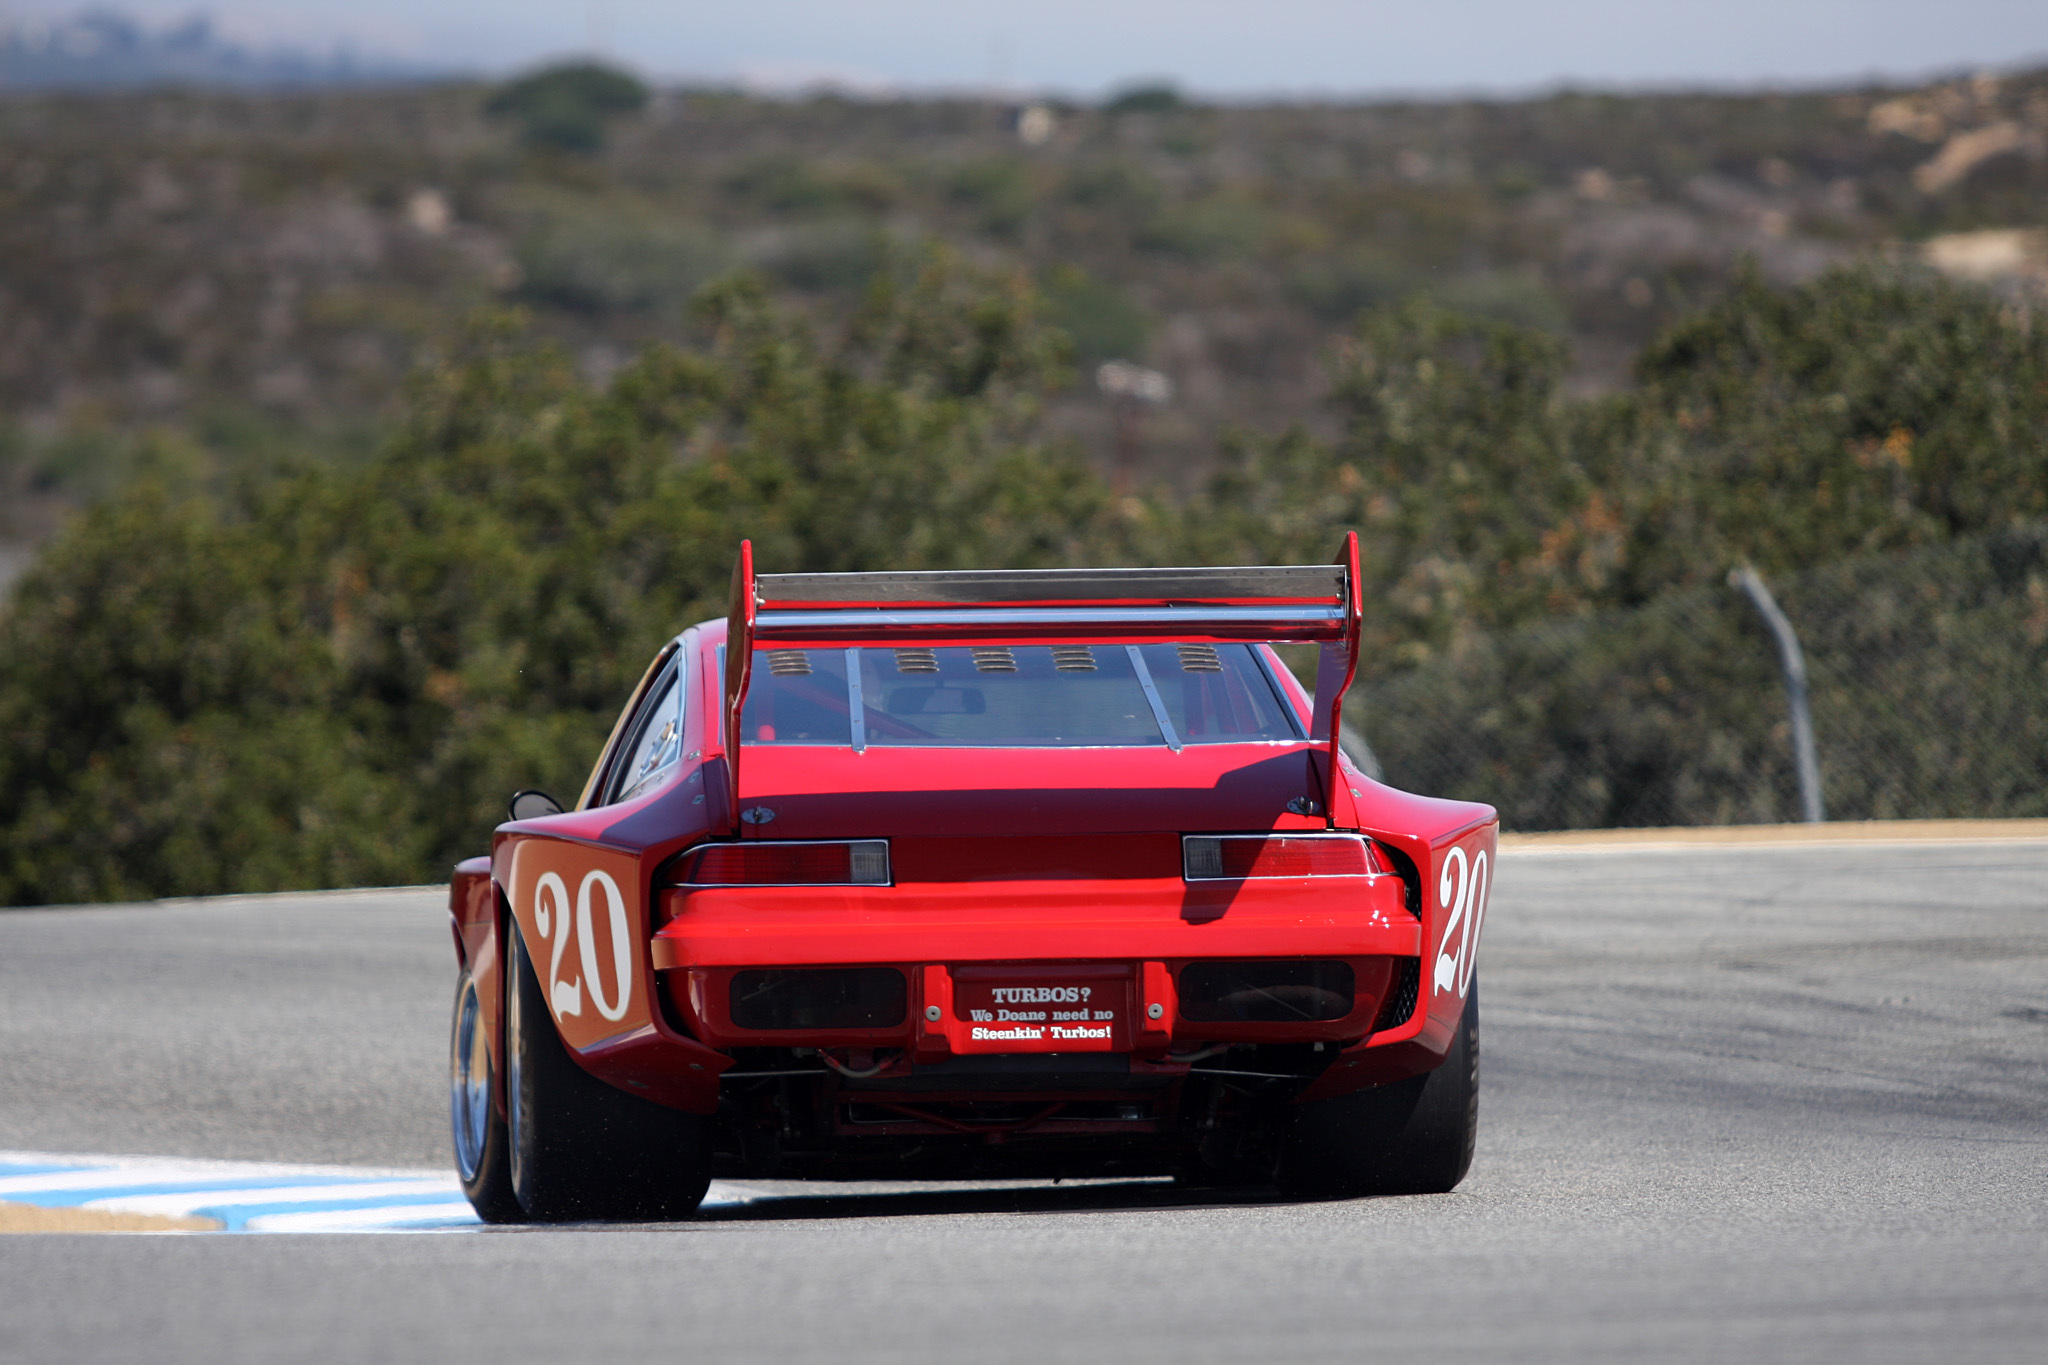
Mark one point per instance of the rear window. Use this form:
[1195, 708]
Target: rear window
[1055, 696]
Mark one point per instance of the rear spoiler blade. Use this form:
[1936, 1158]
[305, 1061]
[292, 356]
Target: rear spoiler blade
[1300, 603]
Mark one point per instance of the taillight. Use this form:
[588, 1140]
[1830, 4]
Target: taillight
[1209, 858]
[859, 862]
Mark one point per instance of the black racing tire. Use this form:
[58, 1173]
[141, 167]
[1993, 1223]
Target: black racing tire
[579, 1149]
[1411, 1137]
[483, 1160]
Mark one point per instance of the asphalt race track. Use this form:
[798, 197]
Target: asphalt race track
[1740, 1103]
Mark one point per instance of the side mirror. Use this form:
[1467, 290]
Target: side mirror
[532, 805]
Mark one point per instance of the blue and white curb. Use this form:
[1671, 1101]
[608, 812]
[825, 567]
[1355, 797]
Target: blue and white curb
[244, 1196]
[252, 1196]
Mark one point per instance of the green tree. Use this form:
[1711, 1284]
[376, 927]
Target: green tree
[1871, 409]
[337, 677]
[1452, 466]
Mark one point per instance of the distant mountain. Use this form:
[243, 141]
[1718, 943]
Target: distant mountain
[101, 50]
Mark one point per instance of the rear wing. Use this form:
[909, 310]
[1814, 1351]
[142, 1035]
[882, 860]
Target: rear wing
[1298, 603]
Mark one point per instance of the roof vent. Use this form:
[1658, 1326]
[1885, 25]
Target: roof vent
[788, 663]
[1073, 658]
[1199, 659]
[916, 661]
[994, 661]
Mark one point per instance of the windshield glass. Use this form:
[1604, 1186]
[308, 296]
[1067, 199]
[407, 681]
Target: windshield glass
[1066, 696]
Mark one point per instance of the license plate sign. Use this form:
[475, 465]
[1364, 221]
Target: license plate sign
[1037, 1009]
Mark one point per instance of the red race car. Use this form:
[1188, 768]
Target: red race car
[975, 874]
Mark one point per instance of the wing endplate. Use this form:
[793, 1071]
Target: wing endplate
[1336, 668]
[740, 620]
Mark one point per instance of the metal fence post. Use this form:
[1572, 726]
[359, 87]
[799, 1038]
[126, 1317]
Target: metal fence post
[1793, 663]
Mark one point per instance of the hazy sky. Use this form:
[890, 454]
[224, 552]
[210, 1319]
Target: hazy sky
[1223, 47]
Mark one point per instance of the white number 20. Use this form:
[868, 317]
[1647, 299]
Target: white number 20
[552, 918]
[1464, 895]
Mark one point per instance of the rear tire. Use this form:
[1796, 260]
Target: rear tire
[1412, 1137]
[482, 1159]
[580, 1149]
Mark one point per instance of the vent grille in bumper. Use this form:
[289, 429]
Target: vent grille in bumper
[828, 998]
[1287, 991]
[1399, 1006]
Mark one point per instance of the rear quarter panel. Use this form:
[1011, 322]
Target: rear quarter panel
[1458, 893]
[1454, 846]
[578, 887]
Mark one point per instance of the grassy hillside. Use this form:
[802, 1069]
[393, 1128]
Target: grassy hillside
[190, 281]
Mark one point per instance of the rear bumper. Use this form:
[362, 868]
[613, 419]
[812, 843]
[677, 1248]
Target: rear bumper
[1077, 920]
[1112, 953]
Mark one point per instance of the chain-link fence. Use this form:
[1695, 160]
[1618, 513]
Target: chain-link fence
[1929, 685]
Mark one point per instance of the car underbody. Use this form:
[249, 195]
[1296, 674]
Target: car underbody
[1048, 1115]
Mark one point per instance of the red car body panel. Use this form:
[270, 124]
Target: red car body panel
[1015, 865]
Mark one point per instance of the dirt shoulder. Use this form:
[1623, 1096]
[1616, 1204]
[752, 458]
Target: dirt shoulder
[29, 1218]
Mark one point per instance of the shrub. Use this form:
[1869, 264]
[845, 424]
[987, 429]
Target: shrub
[1152, 97]
[565, 107]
